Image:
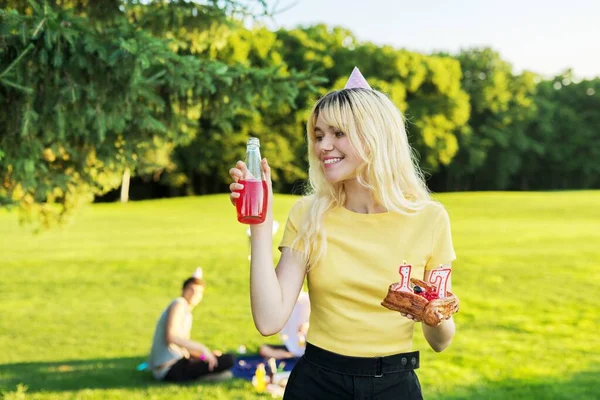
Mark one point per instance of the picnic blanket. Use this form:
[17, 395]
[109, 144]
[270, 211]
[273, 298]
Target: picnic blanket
[245, 365]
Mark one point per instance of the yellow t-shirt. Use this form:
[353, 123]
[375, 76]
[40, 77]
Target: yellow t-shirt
[364, 253]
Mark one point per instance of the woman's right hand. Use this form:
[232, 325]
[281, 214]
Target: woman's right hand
[238, 172]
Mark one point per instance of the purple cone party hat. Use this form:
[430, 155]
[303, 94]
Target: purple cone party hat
[356, 80]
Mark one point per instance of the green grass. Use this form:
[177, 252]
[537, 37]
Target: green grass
[78, 305]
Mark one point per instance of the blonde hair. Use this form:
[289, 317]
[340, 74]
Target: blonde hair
[375, 128]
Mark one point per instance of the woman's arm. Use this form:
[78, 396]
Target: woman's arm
[273, 292]
[439, 337]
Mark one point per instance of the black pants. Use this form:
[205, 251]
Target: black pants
[188, 369]
[321, 374]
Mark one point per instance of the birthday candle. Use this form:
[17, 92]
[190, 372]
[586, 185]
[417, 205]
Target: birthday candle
[439, 278]
[404, 272]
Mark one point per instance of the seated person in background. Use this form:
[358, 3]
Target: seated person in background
[293, 333]
[174, 356]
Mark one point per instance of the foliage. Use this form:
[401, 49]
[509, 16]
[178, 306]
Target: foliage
[493, 142]
[566, 130]
[426, 88]
[84, 97]
[171, 90]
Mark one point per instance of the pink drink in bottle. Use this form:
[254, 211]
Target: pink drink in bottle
[252, 204]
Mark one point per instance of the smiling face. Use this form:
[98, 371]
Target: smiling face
[336, 154]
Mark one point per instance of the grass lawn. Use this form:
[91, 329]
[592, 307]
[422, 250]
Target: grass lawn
[78, 304]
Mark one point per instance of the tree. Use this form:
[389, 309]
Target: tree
[200, 164]
[85, 91]
[491, 146]
[426, 88]
[566, 126]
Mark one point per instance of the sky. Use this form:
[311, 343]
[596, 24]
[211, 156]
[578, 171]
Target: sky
[545, 37]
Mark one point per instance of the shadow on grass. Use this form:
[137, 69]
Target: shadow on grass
[121, 373]
[582, 385]
[71, 375]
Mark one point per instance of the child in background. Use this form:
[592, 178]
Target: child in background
[293, 334]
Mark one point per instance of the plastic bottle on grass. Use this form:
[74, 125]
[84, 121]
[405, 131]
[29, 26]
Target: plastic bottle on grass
[260, 378]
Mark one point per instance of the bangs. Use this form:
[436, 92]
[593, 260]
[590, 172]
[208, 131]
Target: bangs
[336, 110]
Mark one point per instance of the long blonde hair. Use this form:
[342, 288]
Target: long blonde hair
[375, 128]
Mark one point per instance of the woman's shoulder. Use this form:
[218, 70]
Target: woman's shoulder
[302, 205]
[433, 210]
[306, 199]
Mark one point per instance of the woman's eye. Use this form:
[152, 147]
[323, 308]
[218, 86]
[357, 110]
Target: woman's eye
[339, 134]
[319, 138]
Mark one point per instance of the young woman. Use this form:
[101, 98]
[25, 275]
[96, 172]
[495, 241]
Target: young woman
[368, 212]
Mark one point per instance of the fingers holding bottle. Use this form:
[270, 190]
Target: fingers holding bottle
[237, 173]
[236, 189]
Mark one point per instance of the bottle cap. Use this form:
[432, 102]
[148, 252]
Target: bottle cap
[253, 142]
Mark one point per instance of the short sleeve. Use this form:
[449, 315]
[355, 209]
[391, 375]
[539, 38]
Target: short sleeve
[292, 225]
[442, 248]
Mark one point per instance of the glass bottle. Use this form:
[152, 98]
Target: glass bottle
[252, 204]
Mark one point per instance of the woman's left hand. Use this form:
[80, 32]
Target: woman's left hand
[410, 316]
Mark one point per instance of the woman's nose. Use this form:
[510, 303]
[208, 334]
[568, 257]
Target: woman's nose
[326, 144]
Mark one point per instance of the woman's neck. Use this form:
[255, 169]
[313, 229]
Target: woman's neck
[360, 200]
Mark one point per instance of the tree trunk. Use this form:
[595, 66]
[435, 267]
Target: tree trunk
[190, 190]
[125, 185]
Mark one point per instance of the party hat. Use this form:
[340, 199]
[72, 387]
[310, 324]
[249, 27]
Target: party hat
[357, 80]
[197, 273]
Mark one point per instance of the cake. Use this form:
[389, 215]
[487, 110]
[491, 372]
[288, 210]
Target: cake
[422, 302]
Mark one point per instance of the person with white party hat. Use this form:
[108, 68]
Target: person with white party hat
[174, 356]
